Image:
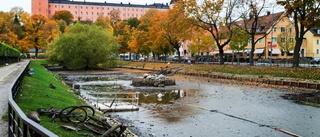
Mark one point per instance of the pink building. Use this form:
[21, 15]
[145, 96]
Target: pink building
[92, 10]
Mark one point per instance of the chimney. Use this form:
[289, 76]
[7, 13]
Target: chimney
[268, 12]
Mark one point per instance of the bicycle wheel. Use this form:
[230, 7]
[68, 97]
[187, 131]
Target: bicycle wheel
[77, 115]
[63, 115]
[90, 110]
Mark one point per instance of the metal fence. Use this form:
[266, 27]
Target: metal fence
[19, 125]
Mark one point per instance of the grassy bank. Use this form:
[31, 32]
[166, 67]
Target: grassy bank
[273, 71]
[35, 93]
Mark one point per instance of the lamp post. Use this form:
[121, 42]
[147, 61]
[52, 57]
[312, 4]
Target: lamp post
[273, 5]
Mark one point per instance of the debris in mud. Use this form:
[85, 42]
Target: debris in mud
[304, 98]
[153, 80]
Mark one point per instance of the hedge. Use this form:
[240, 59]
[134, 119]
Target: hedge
[7, 51]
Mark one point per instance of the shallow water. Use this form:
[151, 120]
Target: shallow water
[205, 107]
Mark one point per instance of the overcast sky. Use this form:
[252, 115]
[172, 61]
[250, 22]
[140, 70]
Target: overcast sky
[6, 5]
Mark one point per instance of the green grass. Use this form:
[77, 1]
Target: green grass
[301, 73]
[35, 93]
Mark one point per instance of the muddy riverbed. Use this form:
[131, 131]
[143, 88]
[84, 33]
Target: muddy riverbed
[201, 107]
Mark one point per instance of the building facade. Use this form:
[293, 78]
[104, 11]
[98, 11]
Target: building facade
[92, 10]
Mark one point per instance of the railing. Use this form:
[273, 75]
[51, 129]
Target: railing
[18, 123]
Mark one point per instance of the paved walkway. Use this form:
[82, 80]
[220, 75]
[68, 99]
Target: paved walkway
[7, 76]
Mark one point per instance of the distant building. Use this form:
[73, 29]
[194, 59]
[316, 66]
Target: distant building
[92, 10]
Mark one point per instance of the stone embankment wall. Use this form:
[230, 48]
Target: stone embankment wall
[309, 84]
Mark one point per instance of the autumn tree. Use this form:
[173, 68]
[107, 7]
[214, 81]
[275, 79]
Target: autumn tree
[63, 15]
[104, 22]
[173, 25]
[215, 17]
[9, 28]
[305, 15]
[51, 30]
[83, 47]
[286, 41]
[202, 43]
[35, 37]
[239, 41]
[114, 16]
[141, 34]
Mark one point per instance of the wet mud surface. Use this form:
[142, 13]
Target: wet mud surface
[201, 107]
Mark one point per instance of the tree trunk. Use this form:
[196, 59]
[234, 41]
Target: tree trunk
[221, 55]
[253, 46]
[296, 54]
[37, 50]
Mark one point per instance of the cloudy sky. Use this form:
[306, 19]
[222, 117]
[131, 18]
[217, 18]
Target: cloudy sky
[6, 5]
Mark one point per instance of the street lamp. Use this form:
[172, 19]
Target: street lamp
[273, 5]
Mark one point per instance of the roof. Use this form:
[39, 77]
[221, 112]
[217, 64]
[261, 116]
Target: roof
[315, 30]
[265, 23]
[84, 2]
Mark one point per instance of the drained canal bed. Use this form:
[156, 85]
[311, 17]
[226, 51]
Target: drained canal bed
[201, 107]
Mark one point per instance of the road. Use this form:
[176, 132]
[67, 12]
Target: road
[7, 76]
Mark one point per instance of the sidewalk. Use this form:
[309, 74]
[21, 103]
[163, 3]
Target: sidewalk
[7, 75]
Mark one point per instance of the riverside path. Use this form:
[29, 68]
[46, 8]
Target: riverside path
[7, 76]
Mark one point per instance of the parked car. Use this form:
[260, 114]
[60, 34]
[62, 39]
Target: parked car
[175, 59]
[315, 61]
[189, 60]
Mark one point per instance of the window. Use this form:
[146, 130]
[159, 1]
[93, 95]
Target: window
[291, 40]
[62, 6]
[249, 42]
[69, 7]
[283, 40]
[317, 51]
[317, 41]
[75, 6]
[318, 31]
[39, 9]
[290, 30]
[274, 39]
[91, 7]
[283, 29]
[55, 6]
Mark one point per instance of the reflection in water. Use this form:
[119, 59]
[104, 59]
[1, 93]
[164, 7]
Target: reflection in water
[168, 104]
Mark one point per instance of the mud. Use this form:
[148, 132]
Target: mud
[203, 107]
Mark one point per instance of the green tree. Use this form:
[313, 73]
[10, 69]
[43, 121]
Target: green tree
[305, 15]
[63, 15]
[202, 43]
[133, 22]
[84, 47]
[239, 41]
[286, 40]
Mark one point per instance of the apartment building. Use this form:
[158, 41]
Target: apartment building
[86, 10]
[269, 28]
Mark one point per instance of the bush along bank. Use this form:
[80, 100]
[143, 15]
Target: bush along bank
[8, 54]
